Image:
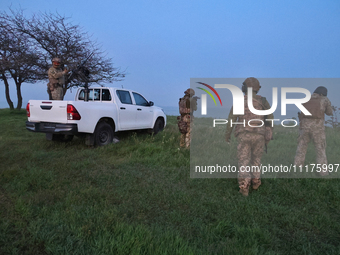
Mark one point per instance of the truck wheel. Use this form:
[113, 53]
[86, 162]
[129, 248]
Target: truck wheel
[103, 134]
[159, 126]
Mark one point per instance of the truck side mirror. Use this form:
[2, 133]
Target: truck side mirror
[150, 103]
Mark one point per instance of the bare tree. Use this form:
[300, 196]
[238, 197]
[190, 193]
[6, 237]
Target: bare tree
[18, 60]
[49, 35]
[4, 47]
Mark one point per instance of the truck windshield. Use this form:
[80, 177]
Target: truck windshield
[140, 100]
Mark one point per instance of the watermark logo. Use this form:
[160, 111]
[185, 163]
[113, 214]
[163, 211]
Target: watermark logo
[204, 97]
[238, 99]
[225, 126]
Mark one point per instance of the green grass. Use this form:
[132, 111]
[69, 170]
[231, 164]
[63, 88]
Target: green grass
[137, 197]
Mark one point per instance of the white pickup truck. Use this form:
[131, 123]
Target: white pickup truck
[107, 110]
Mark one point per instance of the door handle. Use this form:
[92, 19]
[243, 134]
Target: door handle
[122, 108]
[139, 109]
[46, 107]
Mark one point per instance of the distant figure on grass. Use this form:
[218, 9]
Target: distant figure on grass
[312, 127]
[56, 80]
[251, 139]
[187, 105]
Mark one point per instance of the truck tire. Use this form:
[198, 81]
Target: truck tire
[103, 134]
[159, 126]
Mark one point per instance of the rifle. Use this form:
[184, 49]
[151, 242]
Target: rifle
[79, 67]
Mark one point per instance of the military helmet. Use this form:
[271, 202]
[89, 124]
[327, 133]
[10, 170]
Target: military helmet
[251, 82]
[321, 90]
[189, 92]
[58, 60]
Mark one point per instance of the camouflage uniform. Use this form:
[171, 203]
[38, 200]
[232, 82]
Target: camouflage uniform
[313, 128]
[187, 105]
[186, 137]
[251, 140]
[56, 80]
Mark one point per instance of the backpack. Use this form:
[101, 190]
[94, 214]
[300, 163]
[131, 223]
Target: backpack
[183, 109]
[256, 126]
[314, 107]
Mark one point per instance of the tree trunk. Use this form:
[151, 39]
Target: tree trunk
[8, 97]
[19, 105]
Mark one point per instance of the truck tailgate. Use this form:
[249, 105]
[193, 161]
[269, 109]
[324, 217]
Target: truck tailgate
[48, 111]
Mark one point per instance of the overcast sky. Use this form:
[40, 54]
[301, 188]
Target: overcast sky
[162, 44]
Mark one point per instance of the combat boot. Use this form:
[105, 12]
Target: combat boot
[244, 192]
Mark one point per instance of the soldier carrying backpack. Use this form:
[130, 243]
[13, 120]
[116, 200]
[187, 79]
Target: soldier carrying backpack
[312, 127]
[187, 105]
[251, 139]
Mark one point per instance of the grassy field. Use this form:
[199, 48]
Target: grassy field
[137, 197]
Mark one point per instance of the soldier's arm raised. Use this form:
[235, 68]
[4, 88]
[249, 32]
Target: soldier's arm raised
[55, 75]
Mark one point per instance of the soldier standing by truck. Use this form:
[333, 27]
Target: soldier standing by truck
[56, 80]
[187, 105]
[313, 127]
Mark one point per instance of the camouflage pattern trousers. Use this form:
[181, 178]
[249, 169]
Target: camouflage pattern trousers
[249, 152]
[57, 93]
[319, 138]
[186, 137]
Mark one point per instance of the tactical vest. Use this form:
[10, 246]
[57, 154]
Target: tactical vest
[314, 107]
[256, 121]
[183, 109]
[55, 82]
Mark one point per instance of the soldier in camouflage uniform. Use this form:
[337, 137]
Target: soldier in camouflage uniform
[312, 127]
[251, 139]
[56, 80]
[187, 105]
